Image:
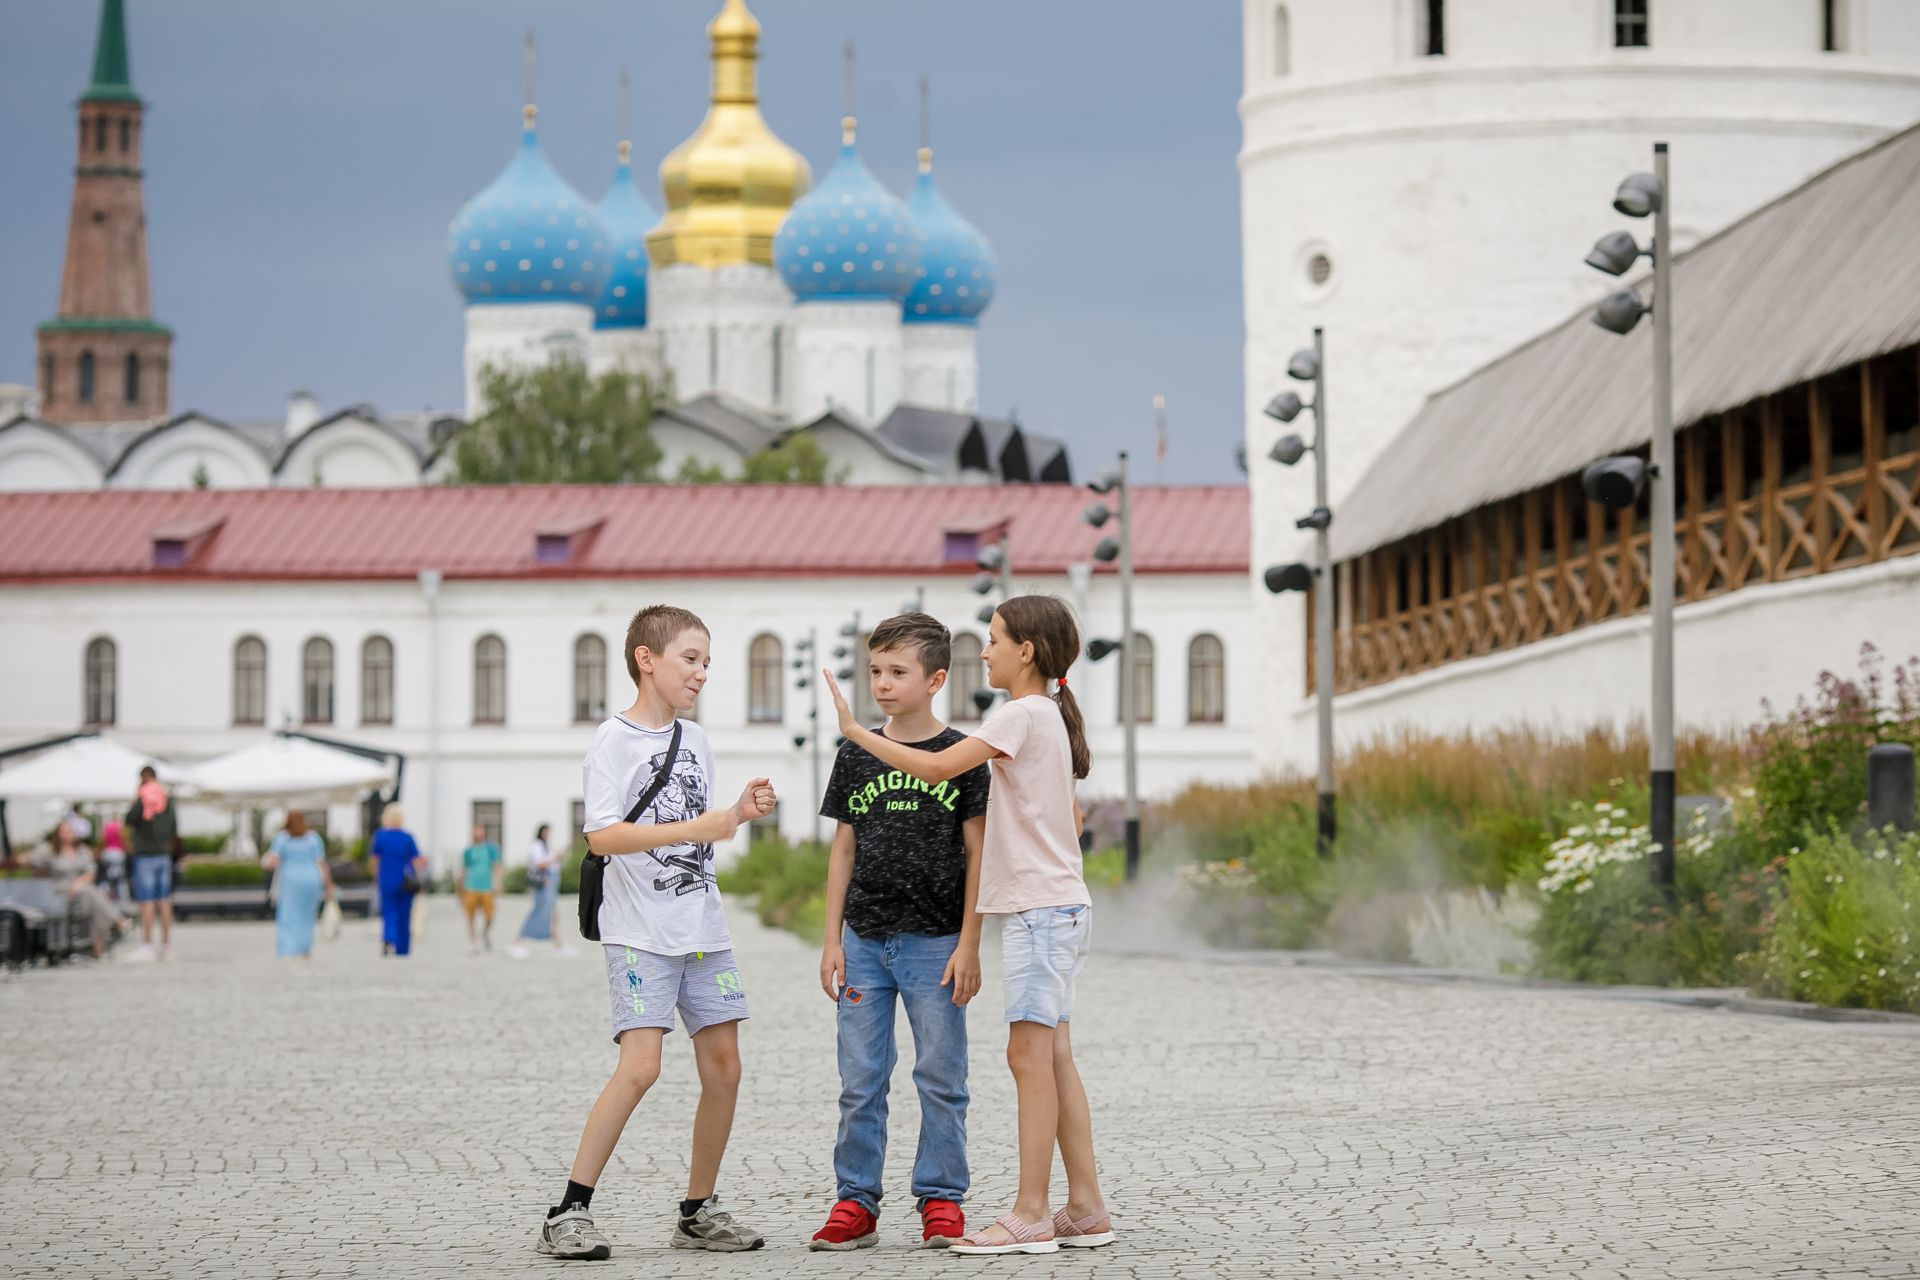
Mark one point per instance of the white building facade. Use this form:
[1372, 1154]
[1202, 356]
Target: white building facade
[1422, 179]
[192, 663]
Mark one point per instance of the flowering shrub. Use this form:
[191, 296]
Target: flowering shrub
[1602, 835]
[1847, 929]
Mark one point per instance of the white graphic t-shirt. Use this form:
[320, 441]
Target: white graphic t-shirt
[664, 900]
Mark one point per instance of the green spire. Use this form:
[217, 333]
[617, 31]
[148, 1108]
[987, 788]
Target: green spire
[111, 80]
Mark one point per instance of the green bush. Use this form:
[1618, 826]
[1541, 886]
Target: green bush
[1810, 765]
[515, 879]
[204, 844]
[223, 874]
[787, 881]
[1846, 930]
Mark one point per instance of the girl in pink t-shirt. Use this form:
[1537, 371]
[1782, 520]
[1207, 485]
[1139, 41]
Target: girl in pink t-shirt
[1030, 877]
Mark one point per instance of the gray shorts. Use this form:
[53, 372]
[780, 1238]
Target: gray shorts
[646, 988]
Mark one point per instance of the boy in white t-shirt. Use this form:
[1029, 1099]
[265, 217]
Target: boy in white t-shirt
[661, 927]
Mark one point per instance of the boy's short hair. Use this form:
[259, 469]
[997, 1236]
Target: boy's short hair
[656, 626]
[918, 632]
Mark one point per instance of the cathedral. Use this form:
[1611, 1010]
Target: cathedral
[762, 305]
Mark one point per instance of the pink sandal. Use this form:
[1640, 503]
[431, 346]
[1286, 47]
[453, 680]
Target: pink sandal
[1090, 1232]
[1026, 1237]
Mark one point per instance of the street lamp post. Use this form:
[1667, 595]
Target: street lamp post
[1617, 482]
[1110, 549]
[808, 681]
[1310, 366]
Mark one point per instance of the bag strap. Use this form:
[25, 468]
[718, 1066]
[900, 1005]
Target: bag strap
[659, 782]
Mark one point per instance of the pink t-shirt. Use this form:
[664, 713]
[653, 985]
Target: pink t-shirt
[1032, 855]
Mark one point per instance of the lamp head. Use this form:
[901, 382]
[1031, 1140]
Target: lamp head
[983, 699]
[799, 740]
[1288, 449]
[1098, 649]
[1615, 253]
[1107, 550]
[1305, 365]
[1620, 312]
[1288, 577]
[1105, 482]
[844, 675]
[1638, 195]
[991, 557]
[984, 583]
[1285, 407]
[985, 616]
[1096, 514]
[1615, 483]
[1317, 519]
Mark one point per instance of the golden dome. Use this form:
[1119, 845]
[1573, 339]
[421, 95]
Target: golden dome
[728, 187]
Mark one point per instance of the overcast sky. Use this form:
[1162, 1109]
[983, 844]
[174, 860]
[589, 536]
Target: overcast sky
[303, 162]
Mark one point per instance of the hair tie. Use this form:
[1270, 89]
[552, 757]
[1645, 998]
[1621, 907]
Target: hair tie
[1063, 682]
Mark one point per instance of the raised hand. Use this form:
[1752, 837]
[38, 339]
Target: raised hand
[848, 723]
[756, 800]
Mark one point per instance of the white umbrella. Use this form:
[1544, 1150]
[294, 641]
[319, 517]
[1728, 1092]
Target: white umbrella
[92, 770]
[287, 771]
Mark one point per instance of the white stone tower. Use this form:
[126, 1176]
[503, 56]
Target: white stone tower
[1423, 177]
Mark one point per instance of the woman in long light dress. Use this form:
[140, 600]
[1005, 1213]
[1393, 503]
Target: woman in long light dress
[543, 874]
[300, 857]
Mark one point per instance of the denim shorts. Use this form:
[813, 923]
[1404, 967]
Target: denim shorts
[1042, 951]
[152, 877]
[645, 988]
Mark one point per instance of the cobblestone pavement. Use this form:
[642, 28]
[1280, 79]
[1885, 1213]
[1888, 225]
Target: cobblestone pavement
[226, 1114]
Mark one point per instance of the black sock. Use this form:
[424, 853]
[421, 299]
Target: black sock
[574, 1194]
[690, 1207]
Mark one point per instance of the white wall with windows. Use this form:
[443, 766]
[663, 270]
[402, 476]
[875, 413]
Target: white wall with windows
[525, 669]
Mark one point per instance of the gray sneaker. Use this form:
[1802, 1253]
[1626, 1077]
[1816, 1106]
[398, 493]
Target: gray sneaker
[571, 1234]
[714, 1228]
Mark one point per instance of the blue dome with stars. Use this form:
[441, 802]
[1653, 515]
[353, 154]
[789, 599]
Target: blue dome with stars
[528, 237]
[958, 270]
[627, 217]
[849, 237]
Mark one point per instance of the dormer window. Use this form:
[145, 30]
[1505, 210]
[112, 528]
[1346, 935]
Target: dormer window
[565, 541]
[176, 545]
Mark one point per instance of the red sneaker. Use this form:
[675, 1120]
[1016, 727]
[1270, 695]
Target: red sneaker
[941, 1223]
[849, 1226]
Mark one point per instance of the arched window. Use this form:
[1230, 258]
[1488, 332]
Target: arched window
[249, 680]
[47, 370]
[126, 136]
[1282, 42]
[766, 681]
[963, 677]
[99, 133]
[489, 680]
[376, 681]
[1834, 31]
[86, 377]
[132, 387]
[1142, 681]
[1430, 38]
[316, 681]
[1630, 19]
[589, 680]
[1206, 681]
[101, 682]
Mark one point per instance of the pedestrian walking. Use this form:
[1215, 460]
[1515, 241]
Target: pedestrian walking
[479, 886]
[1030, 877]
[543, 918]
[298, 858]
[150, 821]
[402, 874]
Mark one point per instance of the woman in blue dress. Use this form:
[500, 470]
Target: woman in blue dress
[395, 853]
[300, 857]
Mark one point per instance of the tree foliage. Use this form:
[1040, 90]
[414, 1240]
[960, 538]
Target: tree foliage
[560, 424]
[797, 459]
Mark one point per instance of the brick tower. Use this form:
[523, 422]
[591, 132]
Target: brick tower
[103, 358]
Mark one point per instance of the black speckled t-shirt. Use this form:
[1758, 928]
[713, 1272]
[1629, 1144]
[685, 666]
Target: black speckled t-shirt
[909, 862]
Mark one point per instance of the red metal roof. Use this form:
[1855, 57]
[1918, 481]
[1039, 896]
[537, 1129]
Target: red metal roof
[648, 530]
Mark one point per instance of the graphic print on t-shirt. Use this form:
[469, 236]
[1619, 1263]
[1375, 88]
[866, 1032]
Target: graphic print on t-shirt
[683, 799]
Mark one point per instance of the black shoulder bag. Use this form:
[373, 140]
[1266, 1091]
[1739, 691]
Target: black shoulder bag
[593, 867]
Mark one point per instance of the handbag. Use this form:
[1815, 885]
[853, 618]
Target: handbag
[593, 866]
[330, 920]
[410, 883]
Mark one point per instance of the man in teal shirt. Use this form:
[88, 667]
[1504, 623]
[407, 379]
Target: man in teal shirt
[479, 882]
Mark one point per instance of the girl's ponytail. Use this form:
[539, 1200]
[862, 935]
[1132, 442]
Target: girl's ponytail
[1076, 728]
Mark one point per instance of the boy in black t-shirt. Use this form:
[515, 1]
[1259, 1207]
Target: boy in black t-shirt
[901, 885]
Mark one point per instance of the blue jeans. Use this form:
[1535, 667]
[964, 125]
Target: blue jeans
[539, 924]
[909, 966]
